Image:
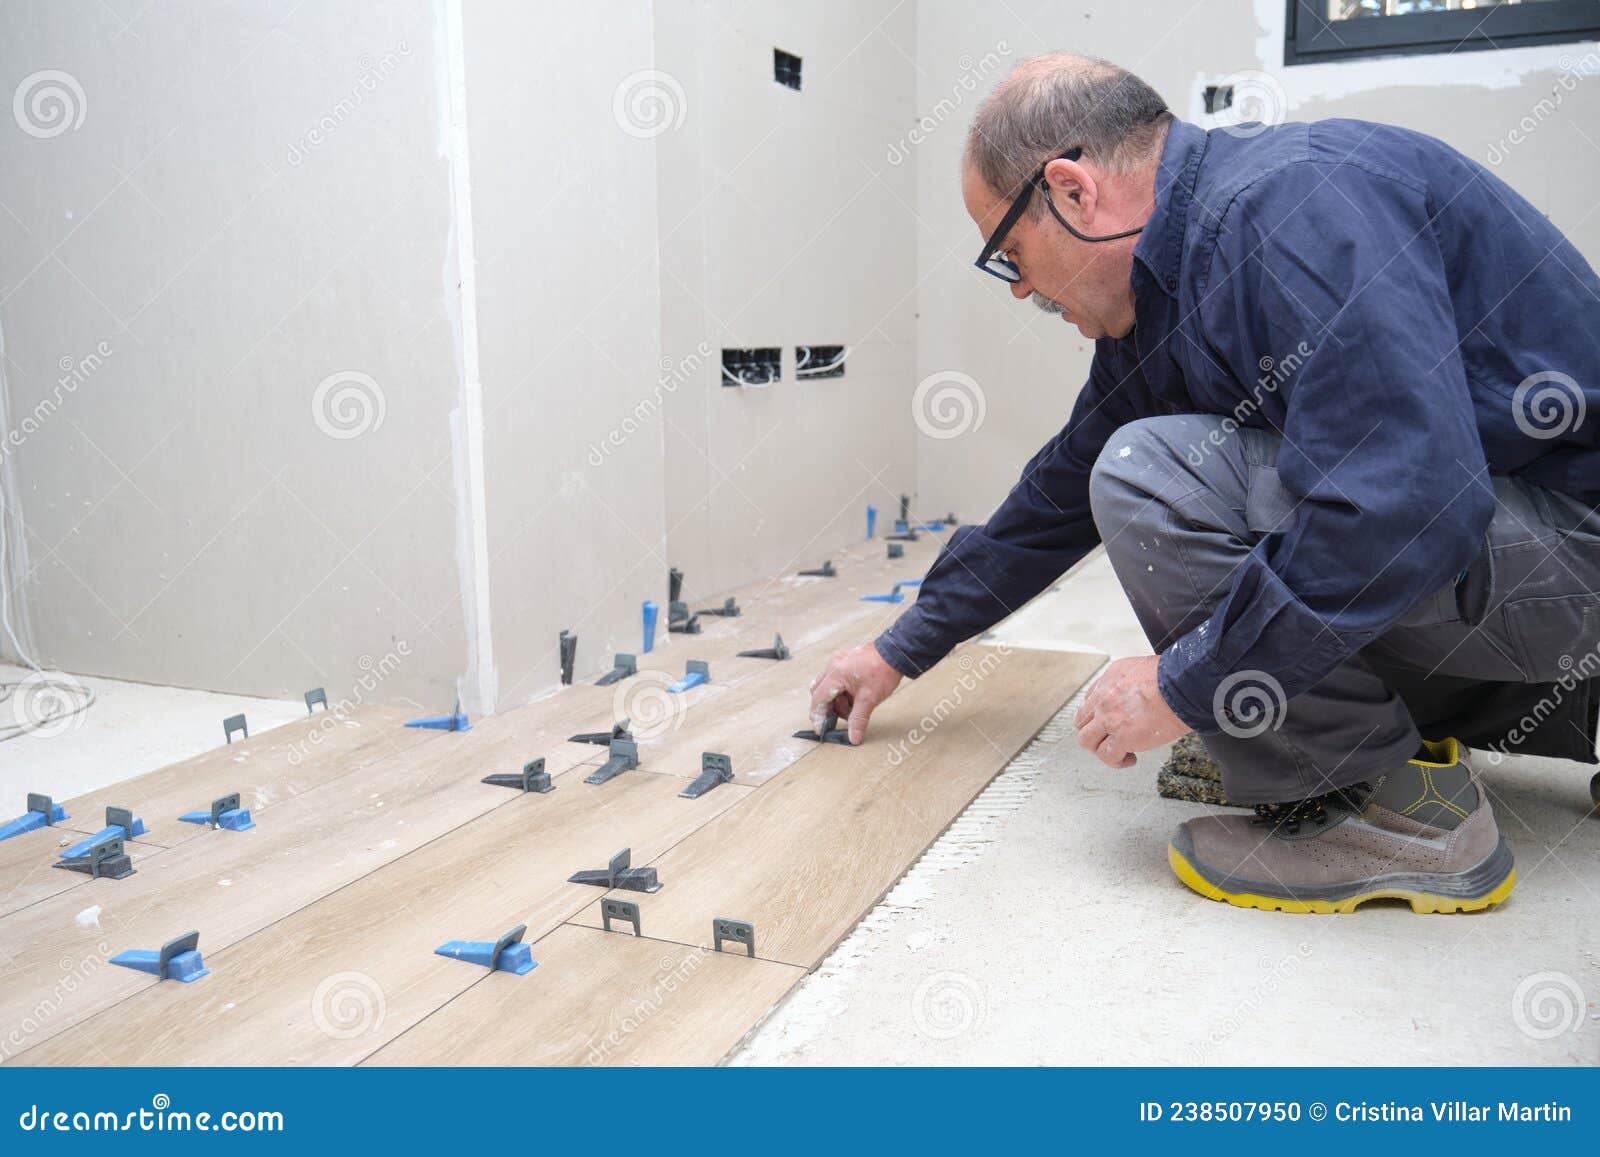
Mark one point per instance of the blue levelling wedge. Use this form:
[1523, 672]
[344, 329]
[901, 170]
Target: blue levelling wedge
[897, 595]
[455, 721]
[651, 612]
[42, 812]
[695, 673]
[872, 521]
[177, 960]
[507, 954]
[120, 822]
[224, 813]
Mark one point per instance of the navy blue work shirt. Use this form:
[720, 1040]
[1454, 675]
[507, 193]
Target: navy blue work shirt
[1426, 308]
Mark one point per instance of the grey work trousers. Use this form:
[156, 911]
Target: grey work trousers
[1180, 500]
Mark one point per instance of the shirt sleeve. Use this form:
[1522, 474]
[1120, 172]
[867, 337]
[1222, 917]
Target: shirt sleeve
[1327, 287]
[986, 572]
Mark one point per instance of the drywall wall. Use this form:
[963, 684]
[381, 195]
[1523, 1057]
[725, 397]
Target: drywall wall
[228, 357]
[569, 317]
[783, 222]
[1010, 373]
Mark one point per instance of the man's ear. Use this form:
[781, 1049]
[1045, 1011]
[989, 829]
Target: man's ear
[1073, 189]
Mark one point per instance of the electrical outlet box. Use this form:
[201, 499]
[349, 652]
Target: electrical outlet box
[752, 367]
[818, 361]
[786, 69]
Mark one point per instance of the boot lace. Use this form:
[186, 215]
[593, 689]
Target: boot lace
[1290, 817]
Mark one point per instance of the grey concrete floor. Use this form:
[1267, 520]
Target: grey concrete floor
[1046, 928]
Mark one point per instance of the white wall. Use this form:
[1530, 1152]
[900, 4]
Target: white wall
[1029, 365]
[783, 223]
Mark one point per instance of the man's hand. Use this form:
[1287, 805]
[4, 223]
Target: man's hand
[851, 687]
[1124, 713]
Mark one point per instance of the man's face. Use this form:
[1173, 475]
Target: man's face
[1086, 283]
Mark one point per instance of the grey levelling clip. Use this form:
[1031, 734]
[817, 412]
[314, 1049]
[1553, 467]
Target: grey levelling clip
[680, 621]
[715, 769]
[624, 757]
[674, 584]
[618, 874]
[619, 910]
[831, 733]
[728, 610]
[234, 723]
[824, 571]
[105, 857]
[739, 931]
[569, 652]
[533, 777]
[896, 550]
[618, 730]
[314, 696]
[626, 666]
[778, 650]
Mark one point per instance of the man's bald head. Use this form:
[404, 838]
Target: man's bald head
[1050, 104]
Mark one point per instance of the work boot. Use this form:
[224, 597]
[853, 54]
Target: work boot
[1424, 833]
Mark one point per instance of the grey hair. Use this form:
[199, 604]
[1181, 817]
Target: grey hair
[1050, 104]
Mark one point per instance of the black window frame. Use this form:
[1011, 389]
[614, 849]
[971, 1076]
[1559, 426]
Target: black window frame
[1310, 38]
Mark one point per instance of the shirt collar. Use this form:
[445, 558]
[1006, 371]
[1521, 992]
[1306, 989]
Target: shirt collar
[1160, 246]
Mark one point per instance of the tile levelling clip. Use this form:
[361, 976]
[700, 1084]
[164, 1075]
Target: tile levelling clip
[778, 650]
[177, 960]
[619, 910]
[695, 673]
[728, 610]
[235, 723]
[738, 931]
[617, 874]
[104, 857]
[507, 954]
[824, 571]
[624, 756]
[41, 812]
[896, 550]
[314, 696]
[715, 769]
[225, 813]
[831, 733]
[625, 665]
[619, 730]
[680, 621]
[455, 721]
[533, 777]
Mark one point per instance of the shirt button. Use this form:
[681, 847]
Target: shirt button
[1172, 283]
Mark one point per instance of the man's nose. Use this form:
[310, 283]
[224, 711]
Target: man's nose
[1021, 289]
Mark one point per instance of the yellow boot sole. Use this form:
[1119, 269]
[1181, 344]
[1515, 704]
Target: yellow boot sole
[1419, 901]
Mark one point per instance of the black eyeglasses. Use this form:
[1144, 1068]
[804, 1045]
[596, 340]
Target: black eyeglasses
[994, 260]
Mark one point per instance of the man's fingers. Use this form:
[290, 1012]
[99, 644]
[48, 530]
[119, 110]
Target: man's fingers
[1113, 754]
[859, 714]
[1092, 735]
[1085, 710]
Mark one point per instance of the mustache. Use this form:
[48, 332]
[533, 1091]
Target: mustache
[1047, 304]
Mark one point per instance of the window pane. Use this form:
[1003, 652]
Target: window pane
[1362, 9]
